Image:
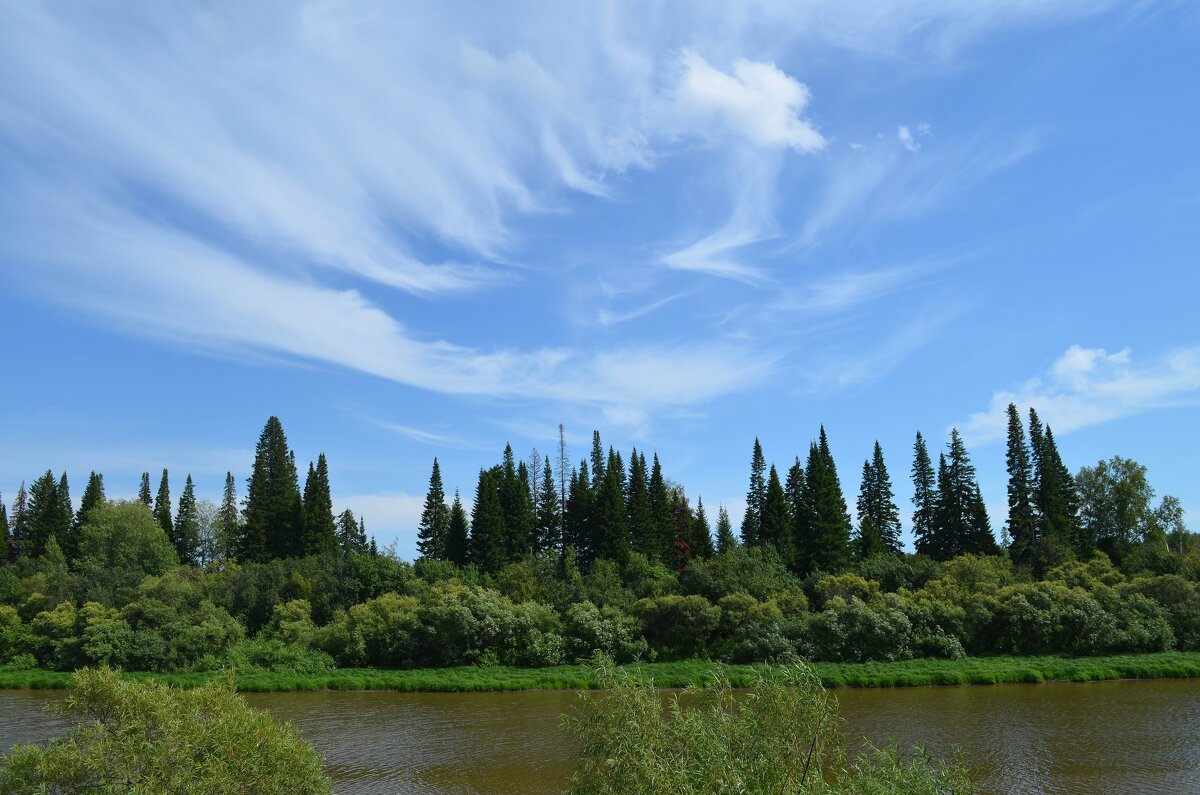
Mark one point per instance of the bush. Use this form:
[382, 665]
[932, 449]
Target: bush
[679, 626]
[780, 737]
[894, 572]
[129, 737]
[850, 630]
[270, 655]
[589, 629]
[757, 570]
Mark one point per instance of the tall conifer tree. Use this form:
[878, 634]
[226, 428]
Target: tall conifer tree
[488, 532]
[186, 535]
[274, 526]
[612, 516]
[435, 518]
[549, 516]
[145, 497]
[726, 541]
[68, 538]
[18, 525]
[756, 497]
[320, 528]
[960, 519]
[878, 516]
[351, 534]
[1021, 527]
[661, 515]
[162, 506]
[598, 459]
[46, 517]
[457, 533]
[637, 500]
[829, 541]
[577, 522]
[229, 519]
[701, 541]
[775, 521]
[6, 555]
[93, 495]
[924, 498]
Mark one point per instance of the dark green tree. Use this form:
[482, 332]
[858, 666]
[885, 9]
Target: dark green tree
[274, 521]
[878, 516]
[549, 513]
[435, 518]
[726, 540]
[924, 498]
[775, 520]
[517, 506]
[6, 548]
[577, 523]
[68, 539]
[320, 527]
[145, 497]
[1058, 503]
[47, 516]
[756, 497]
[488, 532]
[351, 535]
[701, 542]
[229, 518]
[612, 516]
[661, 515]
[18, 525]
[457, 533]
[1022, 531]
[186, 529]
[598, 460]
[637, 500]
[828, 547]
[960, 518]
[162, 506]
[93, 495]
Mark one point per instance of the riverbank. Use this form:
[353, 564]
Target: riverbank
[906, 673]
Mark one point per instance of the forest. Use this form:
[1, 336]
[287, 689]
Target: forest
[554, 562]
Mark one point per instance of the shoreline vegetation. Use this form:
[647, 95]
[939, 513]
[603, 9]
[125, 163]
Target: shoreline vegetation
[468, 679]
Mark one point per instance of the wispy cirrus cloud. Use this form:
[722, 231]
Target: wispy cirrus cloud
[1088, 386]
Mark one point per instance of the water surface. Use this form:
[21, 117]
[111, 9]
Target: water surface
[1061, 739]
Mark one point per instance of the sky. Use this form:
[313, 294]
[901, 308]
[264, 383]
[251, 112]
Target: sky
[431, 229]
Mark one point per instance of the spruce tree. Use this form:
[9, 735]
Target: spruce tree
[18, 524]
[1057, 501]
[515, 504]
[960, 518]
[229, 519]
[577, 522]
[793, 488]
[662, 534]
[1020, 526]
[804, 510]
[162, 506]
[1037, 444]
[637, 500]
[598, 459]
[924, 498]
[701, 541]
[726, 541]
[351, 535]
[68, 539]
[878, 516]
[320, 528]
[46, 517]
[186, 537]
[775, 521]
[756, 497]
[93, 495]
[435, 518]
[612, 517]
[549, 515]
[829, 548]
[273, 527]
[144, 495]
[488, 533]
[457, 533]
[5, 543]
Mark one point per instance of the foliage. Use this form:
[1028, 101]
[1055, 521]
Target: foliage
[133, 737]
[781, 737]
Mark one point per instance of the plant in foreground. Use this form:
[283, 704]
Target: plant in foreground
[781, 736]
[144, 738]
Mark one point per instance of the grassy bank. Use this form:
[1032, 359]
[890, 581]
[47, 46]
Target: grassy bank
[908, 673]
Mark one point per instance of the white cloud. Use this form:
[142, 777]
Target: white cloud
[757, 101]
[907, 140]
[1088, 386]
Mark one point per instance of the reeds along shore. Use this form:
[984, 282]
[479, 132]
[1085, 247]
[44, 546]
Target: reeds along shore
[905, 673]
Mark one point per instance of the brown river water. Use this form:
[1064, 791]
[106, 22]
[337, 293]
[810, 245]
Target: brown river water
[1068, 739]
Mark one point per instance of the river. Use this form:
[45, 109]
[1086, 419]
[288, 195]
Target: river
[1062, 739]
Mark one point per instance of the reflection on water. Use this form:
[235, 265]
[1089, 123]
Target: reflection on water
[1064, 739]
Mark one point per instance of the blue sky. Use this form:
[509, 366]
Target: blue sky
[434, 229]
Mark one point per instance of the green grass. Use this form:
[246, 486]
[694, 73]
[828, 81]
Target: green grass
[908, 673]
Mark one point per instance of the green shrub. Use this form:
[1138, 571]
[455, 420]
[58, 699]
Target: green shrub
[589, 629]
[679, 626]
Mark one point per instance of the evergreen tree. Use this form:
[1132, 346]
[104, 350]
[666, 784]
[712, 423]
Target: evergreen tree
[701, 541]
[577, 522]
[162, 506]
[775, 520]
[637, 501]
[549, 515]
[1021, 528]
[351, 535]
[597, 463]
[68, 538]
[829, 541]
[5, 544]
[186, 537]
[726, 541]
[612, 517]
[878, 516]
[435, 519]
[682, 526]
[320, 528]
[756, 497]
[144, 495]
[1058, 504]
[793, 488]
[515, 504]
[488, 532]
[19, 536]
[93, 495]
[960, 518]
[457, 539]
[229, 519]
[274, 526]
[924, 498]
[46, 516]
[662, 534]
